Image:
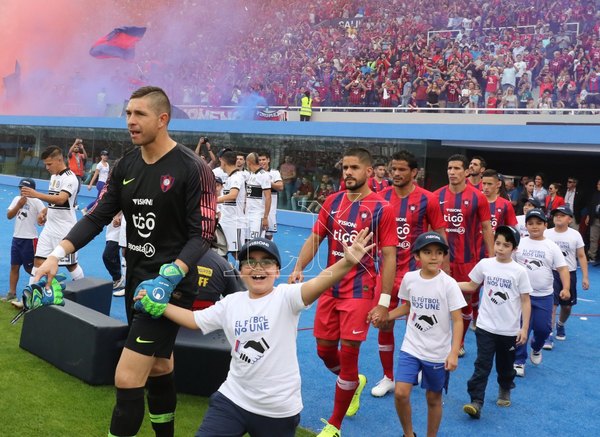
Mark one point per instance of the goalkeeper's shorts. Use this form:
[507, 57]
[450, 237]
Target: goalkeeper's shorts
[152, 337]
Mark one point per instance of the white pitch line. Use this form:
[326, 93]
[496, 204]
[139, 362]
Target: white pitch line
[585, 300]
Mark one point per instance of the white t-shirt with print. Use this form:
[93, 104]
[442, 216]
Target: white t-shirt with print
[540, 257]
[502, 285]
[26, 218]
[428, 330]
[264, 376]
[568, 241]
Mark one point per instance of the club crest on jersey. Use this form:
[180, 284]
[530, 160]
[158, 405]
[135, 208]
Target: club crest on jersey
[166, 182]
[364, 216]
[412, 207]
[466, 202]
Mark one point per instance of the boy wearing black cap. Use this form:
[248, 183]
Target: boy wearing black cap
[25, 236]
[261, 394]
[572, 246]
[504, 300]
[540, 256]
[433, 303]
[529, 204]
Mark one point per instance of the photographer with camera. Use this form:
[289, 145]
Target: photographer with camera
[204, 150]
[77, 157]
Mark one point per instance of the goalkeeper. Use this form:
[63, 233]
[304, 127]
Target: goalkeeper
[167, 197]
[261, 394]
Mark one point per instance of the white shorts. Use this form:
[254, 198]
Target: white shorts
[272, 221]
[47, 243]
[122, 233]
[255, 229]
[235, 237]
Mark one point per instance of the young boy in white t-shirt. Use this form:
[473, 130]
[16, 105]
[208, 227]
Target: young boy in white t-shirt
[529, 204]
[261, 394]
[540, 256]
[25, 211]
[572, 246]
[505, 299]
[433, 331]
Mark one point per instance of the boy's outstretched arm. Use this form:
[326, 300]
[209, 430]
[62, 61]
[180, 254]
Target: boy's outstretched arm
[525, 316]
[457, 332]
[181, 316]
[312, 289]
[468, 287]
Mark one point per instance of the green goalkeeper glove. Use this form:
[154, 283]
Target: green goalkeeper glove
[37, 295]
[158, 290]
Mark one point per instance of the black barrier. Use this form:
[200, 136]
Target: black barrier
[93, 293]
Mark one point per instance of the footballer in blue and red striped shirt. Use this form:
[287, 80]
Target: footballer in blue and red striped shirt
[467, 214]
[342, 311]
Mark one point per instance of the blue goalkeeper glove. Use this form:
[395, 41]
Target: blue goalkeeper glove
[37, 295]
[158, 290]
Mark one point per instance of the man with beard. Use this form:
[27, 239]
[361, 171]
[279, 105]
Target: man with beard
[476, 168]
[415, 211]
[167, 195]
[342, 310]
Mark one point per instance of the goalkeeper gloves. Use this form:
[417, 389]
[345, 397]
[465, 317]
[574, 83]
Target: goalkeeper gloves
[158, 290]
[37, 295]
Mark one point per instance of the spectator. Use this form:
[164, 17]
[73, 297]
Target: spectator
[302, 195]
[288, 175]
[77, 157]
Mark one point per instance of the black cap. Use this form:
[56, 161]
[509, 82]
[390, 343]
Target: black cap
[218, 180]
[563, 210]
[536, 203]
[104, 152]
[220, 152]
[263, 244]
[429, 238]
[27, 182]
[536, 212]
[510, 233]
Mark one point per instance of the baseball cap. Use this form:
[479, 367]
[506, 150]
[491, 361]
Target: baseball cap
[262, 244]
[222, 151]
[536, 203]
[218, 180]
[508, 231]
[536, 212]
[429, 238]
[27, 182]
[104, 152]
[564, 210]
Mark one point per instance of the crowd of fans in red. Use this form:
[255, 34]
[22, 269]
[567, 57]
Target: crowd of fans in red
[494, 53]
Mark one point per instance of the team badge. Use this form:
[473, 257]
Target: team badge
[466, 202]
[364, 215]
[166, 182]
[412, 207]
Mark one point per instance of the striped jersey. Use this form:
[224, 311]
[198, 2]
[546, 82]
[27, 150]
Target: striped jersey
[339, 220]
[463, 213]
[61, 217]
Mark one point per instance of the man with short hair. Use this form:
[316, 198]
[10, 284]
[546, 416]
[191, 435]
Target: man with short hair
[573, 201]
[77, 158]
[233, 204]
[343, 309]
[593, 221]
[378, 182]
[264, 159]
[166, 193]
[467, 214]
[416, 211]
[59, 217]
[258, 198]
[476, 168]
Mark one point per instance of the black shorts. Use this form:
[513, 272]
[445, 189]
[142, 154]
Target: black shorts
[149, 336]
[558, 287]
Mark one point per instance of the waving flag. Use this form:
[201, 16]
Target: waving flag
[120, 43]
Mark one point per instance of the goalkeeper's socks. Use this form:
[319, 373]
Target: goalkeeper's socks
[77, 273]
[128, 413]
[162, 400]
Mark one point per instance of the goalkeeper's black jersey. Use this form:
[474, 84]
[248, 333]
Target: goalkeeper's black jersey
[169, 207]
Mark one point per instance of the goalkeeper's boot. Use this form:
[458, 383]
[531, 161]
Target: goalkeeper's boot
[355, 403]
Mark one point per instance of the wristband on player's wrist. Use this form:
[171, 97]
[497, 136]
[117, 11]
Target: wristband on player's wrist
[58, 252]
[384, 300]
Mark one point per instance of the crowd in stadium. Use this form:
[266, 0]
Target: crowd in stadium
[511, 54]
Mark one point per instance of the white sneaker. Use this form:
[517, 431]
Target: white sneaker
[536, 357]
[119, 293]
[520, 369]
[17, 304]
[119, 283]
[383, 387]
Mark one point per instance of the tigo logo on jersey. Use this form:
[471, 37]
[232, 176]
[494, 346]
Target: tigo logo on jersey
[166, 182]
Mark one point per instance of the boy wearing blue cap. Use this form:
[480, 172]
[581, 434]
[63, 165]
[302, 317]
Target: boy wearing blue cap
[25, 211]
[505, 298]
[261, 394]
[572, 246]
[433, 303]
[540, 256]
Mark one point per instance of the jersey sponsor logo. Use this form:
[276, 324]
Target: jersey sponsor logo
[454, 218]
[142, 341]
[143, 223]
[344, 237]
[166, 182]
[147, 249]
[127, 181]
[347, 223]
[142, 202]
